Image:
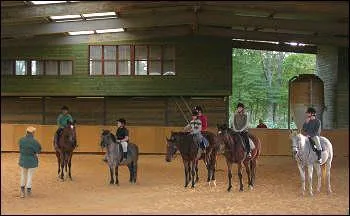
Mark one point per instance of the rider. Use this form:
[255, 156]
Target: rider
[62, 121]
[195, 127]
[122, 135]
[312, 129]
[202, 117]
[239, 124]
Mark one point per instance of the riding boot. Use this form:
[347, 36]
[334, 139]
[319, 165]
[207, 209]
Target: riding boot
[318, 152]
[29, 191]
[125, 154]
[22, 192]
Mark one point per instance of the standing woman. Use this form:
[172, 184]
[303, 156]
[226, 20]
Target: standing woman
[29, 148]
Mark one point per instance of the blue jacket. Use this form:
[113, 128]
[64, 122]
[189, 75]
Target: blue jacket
[28, 148]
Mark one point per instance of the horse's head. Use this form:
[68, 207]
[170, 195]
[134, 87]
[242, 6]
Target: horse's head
[68, 133]
[222, 133]
[171, 146]
[296, 141]
[106, 138]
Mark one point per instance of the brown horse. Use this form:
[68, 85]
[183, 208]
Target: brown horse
[234, 152]
[183, 141]
[64, 152]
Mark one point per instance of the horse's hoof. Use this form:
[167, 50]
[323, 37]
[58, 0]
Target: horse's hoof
[229, 189]
[111, 182]
[209, 183]
[250, 187]
[329, 192]
[61, 179]
[214, 182]
[311, 194]
[241, 190]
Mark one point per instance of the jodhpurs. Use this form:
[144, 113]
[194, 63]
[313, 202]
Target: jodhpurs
[316, 139]
[244, 135]
[125, 146]
[26, 177]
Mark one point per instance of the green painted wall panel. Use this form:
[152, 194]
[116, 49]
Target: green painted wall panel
[202, 65]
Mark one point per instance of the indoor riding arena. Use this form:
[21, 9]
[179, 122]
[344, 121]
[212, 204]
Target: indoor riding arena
[151, 63]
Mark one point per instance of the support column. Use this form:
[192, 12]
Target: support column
[327, 70]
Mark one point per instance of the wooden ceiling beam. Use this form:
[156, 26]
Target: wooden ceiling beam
[144, 22]
[338, 8]
[230, 20]
[278, 37]
[99, 38]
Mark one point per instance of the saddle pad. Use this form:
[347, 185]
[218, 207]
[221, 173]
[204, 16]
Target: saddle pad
[251, 143]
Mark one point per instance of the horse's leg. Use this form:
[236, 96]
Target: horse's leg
[111, 173]
[302, 178]
[328, 174]
[310, 170]
[213, 167]
[196, 168]
[135, 171]
[186, 173]
[249, 174]
[62, 165]
[229, 175]
[70, 164]
[239, 171]
[319, 176]
[253, 170]
[116, 175]
[58, 162]
[193, 171]
[130, 166]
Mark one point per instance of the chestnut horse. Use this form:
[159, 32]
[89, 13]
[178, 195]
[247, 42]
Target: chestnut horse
[234, 151]
[64, 152]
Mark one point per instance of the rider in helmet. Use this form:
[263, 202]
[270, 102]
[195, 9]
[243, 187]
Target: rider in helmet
[195, 127]
[239, 124]
[202, 117]
[62, 120]
[312, 129]
[122, 135]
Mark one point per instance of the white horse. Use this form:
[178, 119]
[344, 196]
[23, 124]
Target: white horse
[306, 157]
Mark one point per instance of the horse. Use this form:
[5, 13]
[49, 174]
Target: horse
[64, 151]
[304, 155]
[234, 152]
[115, 154]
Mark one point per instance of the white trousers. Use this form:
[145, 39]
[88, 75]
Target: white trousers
[316, 139]
[125, 146]
[26, 177]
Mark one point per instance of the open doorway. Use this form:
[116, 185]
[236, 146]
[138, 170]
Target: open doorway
[260, 81]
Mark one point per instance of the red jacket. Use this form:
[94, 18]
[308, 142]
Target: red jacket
[204, 121]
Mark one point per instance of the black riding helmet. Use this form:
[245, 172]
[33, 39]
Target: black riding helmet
[240, 105]
[64, 108]
[121, 120]
[311, 110]
[198, 108]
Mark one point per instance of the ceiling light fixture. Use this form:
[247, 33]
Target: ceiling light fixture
[100, 14]
[81, 32]
[65, 17]
[46, 2]
[110, 30]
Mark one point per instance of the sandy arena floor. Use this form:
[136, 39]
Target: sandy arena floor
[160, 189]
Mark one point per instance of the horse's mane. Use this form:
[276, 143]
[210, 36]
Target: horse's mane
[108, 133]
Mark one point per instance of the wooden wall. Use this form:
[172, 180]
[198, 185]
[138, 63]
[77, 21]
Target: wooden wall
[151, 139]
[202, 66]
[138, 111]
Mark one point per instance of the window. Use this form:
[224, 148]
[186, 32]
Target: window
[132, 60]
[21, 67]
[36, 67]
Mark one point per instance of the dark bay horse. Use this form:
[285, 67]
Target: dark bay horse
[64, 152]
[234, 152]
[115, 154]
[183, 141]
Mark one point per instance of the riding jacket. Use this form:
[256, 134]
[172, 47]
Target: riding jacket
[239, 122]
[312, 128]
[204, 121]
[62, 120]
[121, 133]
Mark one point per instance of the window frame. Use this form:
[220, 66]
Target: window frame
[132, 59]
